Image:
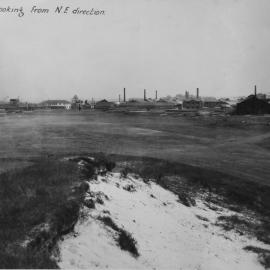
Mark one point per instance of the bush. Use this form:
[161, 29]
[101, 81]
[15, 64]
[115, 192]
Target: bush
[109, 222]
[128, 243]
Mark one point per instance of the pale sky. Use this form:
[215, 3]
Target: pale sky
[220, 46]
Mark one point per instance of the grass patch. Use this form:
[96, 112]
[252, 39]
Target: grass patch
[39, 194]
[263, 254]
[125, 239]
[128, 243]
[242, 225]
[109, 222]
[202, 218]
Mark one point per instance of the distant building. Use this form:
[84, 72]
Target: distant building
[214, 104]
[253, 105]
[211, 103]
[104, 105]
[56, 104]
[14, 101]
[192, 104]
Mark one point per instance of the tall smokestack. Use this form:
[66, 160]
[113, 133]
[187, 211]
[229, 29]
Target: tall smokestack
[119, 98]
[124, 94]
[156, 94]
[198, 93]
[255, 90]
[144, 96]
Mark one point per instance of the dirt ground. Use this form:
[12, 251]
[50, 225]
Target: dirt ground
[236, 145]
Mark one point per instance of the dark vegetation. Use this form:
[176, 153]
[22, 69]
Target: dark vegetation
[257, 227]
[124, 239]
[38, 205]
[29, 197]
[109, 222]
[127, 242]
[263, 254]
[96, 163]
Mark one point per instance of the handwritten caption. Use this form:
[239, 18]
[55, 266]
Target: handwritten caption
[65, 10]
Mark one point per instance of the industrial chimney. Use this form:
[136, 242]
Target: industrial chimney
[198, 93]
[156, 94]
[124, 94]
[144, 97]
[255, 90]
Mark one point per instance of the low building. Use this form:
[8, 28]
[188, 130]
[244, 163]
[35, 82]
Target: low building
[211, 103]
[14, 101]
[192, 104]
[104, 105]
[56, 104]
[253, 105]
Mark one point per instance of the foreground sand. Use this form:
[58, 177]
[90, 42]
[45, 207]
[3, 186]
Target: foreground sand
[169, 235]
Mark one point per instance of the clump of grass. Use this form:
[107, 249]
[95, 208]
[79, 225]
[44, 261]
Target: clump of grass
[124, 239]
[202, 218]
[263, 254]
[186, 199]
[232, 222]
[125, 171]
[109, 222]
[89, 203]
[128, 243]
[129, 188]
[258, 228]
[99, 163]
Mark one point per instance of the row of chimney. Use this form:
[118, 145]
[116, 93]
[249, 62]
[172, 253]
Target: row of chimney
[144, 96]
[186, 94]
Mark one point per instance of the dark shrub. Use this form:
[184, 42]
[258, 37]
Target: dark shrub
[125, 172]
[263, 254]
[109, 222]
[186, 200]
[66, 216]
[84, 187]
[88, 170]
[89, 203]
[128, 243]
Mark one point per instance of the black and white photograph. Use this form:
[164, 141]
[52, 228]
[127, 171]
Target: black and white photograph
[135, 134]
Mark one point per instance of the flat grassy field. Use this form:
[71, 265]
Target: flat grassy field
[236, 145]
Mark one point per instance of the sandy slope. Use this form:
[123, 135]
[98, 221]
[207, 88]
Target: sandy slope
[169, 235]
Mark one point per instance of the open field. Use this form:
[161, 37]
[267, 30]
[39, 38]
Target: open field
[238, 146]
[221, 160]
